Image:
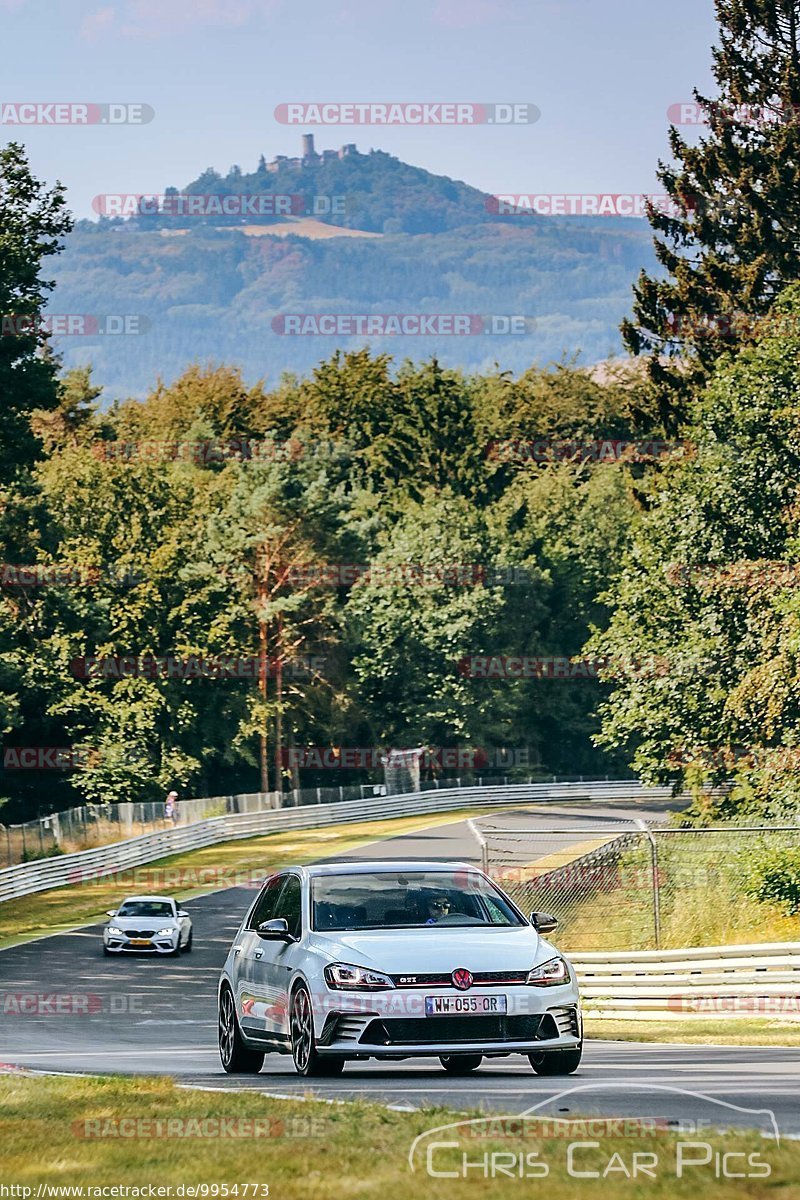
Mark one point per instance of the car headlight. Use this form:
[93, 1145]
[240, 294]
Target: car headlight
[345, 977]
[165, 932]
[112, 931]
[549, 974]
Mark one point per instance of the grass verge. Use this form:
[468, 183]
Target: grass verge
[225, 864]
[739, 1031]
[98, 1133]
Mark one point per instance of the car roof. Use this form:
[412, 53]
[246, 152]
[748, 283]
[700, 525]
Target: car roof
[372, 866]
[165, 899]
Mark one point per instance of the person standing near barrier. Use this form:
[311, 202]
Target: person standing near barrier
[171, 807]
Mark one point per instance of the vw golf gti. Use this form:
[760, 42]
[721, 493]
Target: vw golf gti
[348, 961]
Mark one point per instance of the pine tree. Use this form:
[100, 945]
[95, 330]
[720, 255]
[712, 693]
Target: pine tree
[732, 238]
[33, 223]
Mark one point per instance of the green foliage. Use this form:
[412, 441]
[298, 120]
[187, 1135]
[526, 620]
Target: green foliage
[772, 876]
[732, 243]
[357, 464]
[33, 223]
[710, 587]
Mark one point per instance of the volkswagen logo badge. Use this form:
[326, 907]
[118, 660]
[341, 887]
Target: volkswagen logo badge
[462, 979]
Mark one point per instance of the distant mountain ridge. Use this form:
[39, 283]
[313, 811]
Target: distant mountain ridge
[218, 293]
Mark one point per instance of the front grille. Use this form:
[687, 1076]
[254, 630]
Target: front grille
[434, 1030]
[483, 979]
[130, 933]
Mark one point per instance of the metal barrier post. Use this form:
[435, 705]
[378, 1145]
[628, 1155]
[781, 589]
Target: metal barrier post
[654, 870]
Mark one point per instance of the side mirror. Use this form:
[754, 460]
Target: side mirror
[542, 922]
[182, 912]
[276, 930]
[111, 912]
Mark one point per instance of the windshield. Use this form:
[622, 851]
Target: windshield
[146, 908]
[408, 899]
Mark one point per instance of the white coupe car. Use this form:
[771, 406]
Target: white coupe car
[148, 925]
[388, 960]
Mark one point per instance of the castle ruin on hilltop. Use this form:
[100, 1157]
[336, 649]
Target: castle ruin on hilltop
[309, 157]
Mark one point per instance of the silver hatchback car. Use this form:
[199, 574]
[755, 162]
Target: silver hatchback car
[393, 960]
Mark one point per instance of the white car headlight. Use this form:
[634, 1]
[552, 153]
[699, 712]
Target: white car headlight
[166, 932]
[112, 931]
[346, 977]
[550, 974]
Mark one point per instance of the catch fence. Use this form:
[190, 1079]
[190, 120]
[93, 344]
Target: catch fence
[92, 825]
[633, 886]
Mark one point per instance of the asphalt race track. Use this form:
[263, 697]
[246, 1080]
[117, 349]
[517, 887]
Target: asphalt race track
[158, 1016]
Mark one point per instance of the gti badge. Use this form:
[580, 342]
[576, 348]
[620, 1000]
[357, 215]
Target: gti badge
[462, 979]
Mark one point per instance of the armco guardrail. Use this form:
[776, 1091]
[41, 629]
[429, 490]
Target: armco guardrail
[707, 981]
[43, 874]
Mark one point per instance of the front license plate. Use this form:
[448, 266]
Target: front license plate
[141, 942]
[464, 1006]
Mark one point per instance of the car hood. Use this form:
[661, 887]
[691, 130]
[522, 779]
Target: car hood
[428, 950]
[142, 922]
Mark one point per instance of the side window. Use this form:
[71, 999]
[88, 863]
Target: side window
[265, 905]
[290, 905]
[496, 914]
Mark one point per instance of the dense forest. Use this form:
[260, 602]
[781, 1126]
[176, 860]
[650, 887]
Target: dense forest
[378, 532]
[236, 585]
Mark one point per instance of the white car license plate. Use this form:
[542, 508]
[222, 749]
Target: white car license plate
[141, 942]
[464, 1006]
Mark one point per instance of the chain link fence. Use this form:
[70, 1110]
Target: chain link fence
[92, 825]
[632, 886]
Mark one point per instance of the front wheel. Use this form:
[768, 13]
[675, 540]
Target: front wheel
[460, 1064]
[307, 1060]
[556, 1062]
[236, 1057]
[187, 949]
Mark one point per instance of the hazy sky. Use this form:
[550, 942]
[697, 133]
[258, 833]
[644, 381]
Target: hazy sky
[603, 73]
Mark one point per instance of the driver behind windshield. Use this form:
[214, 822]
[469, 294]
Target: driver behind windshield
[437, 906]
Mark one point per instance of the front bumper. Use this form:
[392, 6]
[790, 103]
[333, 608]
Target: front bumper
[393, 1025]
[157, 945]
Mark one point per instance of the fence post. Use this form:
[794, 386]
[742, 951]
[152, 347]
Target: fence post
[24, 847]
[655, 885]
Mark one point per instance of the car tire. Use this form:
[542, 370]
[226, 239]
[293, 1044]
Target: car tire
[460, 1064]
[187, 949]
[106, 952]
[235, 1056]
[556, 1062]
[307, 1060]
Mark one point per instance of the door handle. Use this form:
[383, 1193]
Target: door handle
[237, 950]
[258, 954]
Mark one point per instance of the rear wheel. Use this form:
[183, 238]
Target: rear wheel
[460, 1064]
[236, 1057]
[307, 1060]
[556, 1062]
